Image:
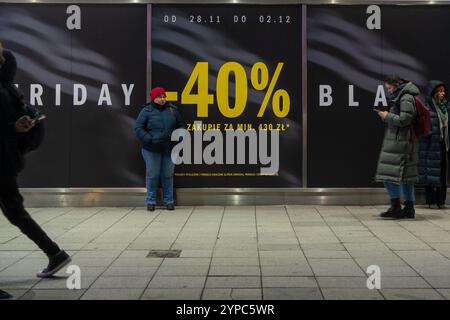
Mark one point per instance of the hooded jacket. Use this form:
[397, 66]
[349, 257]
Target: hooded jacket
[430, 157]
[155, 124]
[399, 152]
[11, 158]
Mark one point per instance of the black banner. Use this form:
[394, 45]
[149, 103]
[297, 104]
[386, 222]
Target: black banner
[230, 67]
[233, 67]
[84, 68]
[350, 51]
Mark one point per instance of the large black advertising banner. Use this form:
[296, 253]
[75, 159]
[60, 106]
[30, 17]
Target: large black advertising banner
[350, 51]
[84, 68]
[235, 74]
[234, 71]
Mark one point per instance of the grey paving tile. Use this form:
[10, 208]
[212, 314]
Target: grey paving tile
[61, 282]
[106, 246]
[292, 294]
[235, 261]
[192, 253]
[403, 246]
[90, 272]
[95, 254]
[106, 282]
[173, 282]
[233, 282]
[327, 254]
[445, 293]
[137, 262]
[187, 262]
[323, 246]
[391, 260]
[279, 246]
[342, 282]
[351, 294]
[172, 294]
[7, 283]
[289, 282]
[438, 281]
[134, 254]
[287, 270]
[52, 294]
[232, 294]
[7, 262]
[183, 270]
[218, 294]
[235, 253]
[411, 294]
[291, 254]
[116, 294]
[403, 283]
[397, 271]
[90, 262]
[361, 282]
[147, 271]
[13, 255]
[335, 267]
[235, 271]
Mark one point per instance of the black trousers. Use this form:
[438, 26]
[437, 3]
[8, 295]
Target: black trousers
[11, 203]
[438, 194]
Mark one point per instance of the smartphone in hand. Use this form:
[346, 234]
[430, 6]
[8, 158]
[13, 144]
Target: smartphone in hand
[38, 119]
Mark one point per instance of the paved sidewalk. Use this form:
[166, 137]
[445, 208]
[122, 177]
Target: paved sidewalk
[267, 252]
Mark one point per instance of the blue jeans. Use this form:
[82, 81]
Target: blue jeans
[393, 190]
[158, 165]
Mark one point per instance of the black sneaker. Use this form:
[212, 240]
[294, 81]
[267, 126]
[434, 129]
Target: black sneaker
[5, 295]
[170, 207]
[56, 263]
[150, 207]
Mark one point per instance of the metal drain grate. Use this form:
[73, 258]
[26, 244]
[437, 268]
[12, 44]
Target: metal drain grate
[164, 254]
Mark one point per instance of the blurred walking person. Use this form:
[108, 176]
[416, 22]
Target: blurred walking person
[16, 127]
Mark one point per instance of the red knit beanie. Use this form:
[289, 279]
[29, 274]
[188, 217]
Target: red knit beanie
[155, 92]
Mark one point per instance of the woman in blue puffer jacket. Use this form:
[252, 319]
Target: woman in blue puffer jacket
[154, 127]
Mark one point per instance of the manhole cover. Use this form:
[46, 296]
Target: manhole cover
[164, 254]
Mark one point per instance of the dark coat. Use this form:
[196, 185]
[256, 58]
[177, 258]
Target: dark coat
[11, 155]
[399, 152]
[430, 156]
[155, 124]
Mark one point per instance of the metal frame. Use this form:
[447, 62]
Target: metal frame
[263, 2]
[148, 57]
[135, 197]
[304, 92]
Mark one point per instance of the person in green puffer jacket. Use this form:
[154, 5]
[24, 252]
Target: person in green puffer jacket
[397, 163]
